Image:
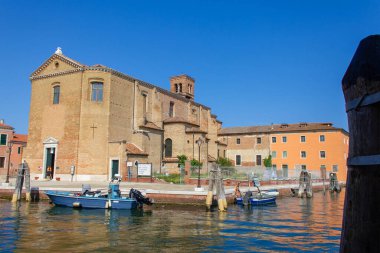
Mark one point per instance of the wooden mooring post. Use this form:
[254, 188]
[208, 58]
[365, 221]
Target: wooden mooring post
[23, 175]
[361, 87]
[305, 185]
[216, 183]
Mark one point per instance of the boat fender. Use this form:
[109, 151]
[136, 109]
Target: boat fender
[77, 204]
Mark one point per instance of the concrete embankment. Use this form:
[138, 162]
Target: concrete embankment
[161, 193]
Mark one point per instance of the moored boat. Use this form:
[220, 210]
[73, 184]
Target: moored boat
[256, 200]
[88, 199]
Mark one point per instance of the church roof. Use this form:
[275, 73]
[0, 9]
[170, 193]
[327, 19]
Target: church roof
[56, 56]
[132, 149]
[195, 130]
[178, 120]
[79, 66]
[151, 125]
[280, 128]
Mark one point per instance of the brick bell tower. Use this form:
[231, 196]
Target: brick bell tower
[183, 85]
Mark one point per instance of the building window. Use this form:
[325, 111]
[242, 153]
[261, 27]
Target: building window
[335, 168]
[303, 154]
[322, 154]
[274, 166]
[284, 154]
[19, 150]
[285, 171]
[144, 95]
[303, 138]
[238, 160]
[180, 87]
[168, 148]
[303, 167]
[2, 162]
[97, 91]
[274, 154]
[284, 139]
[56, 92]
[274, 139]
[238, 141]
[258, 140]
[258, 160]
[171, 110]
[224, 153]
[176, 87]
[322, 138]
[218, 153]
[3, 139]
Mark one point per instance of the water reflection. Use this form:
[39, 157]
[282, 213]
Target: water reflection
[291, 225]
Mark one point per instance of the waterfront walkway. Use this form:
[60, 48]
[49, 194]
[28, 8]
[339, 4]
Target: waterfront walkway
[161, 192]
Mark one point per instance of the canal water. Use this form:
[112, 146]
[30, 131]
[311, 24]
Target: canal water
[292, 225]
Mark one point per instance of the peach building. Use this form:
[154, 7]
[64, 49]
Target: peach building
[310, 146]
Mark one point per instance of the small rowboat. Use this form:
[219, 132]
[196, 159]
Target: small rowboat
[257, 200]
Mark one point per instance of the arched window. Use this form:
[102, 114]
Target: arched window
[97, 91]
[180, 87]
[176, 87]
[168, 148]
[56, 92]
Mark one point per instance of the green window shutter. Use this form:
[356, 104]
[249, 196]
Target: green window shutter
[3, 139]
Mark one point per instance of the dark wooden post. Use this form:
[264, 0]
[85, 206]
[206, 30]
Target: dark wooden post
[361, 87]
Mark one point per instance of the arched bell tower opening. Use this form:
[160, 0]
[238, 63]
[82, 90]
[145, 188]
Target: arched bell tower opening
[183, 85]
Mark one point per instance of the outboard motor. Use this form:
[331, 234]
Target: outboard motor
[133, 193]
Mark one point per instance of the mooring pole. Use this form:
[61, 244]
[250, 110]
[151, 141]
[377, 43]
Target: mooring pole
[361, 87]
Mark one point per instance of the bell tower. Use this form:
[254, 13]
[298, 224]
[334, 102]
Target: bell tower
[183, 85]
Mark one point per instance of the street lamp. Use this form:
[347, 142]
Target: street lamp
[199, 142]
[10, 144]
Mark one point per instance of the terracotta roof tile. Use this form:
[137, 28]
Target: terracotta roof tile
[278, 128]
[132, 149]
[179, 120]
[3, 126]
[20, 138]
[195, 130]
[151, 125]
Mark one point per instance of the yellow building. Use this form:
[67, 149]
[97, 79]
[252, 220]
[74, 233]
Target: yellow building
[98, 121]
[310, 146]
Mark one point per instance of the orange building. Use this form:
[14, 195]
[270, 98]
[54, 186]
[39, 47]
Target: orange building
[11, 149]
[310, 146]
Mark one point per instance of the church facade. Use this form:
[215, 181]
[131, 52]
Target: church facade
[94, 122]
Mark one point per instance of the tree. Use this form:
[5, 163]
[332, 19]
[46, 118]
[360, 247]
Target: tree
[268, 161]
[224, 162]
[181, 160]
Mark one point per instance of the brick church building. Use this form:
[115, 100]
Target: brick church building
[99, 120]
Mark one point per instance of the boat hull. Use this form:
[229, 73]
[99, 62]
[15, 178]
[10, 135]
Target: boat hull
[254, 201]
[73, 200]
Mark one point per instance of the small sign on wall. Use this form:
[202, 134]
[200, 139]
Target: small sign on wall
[144, 169]
[129, 164]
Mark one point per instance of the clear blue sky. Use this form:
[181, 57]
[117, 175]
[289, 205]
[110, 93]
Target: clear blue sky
[254, 62]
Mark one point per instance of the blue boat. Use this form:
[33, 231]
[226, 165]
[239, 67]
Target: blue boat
[88, 199]
[257, 200]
